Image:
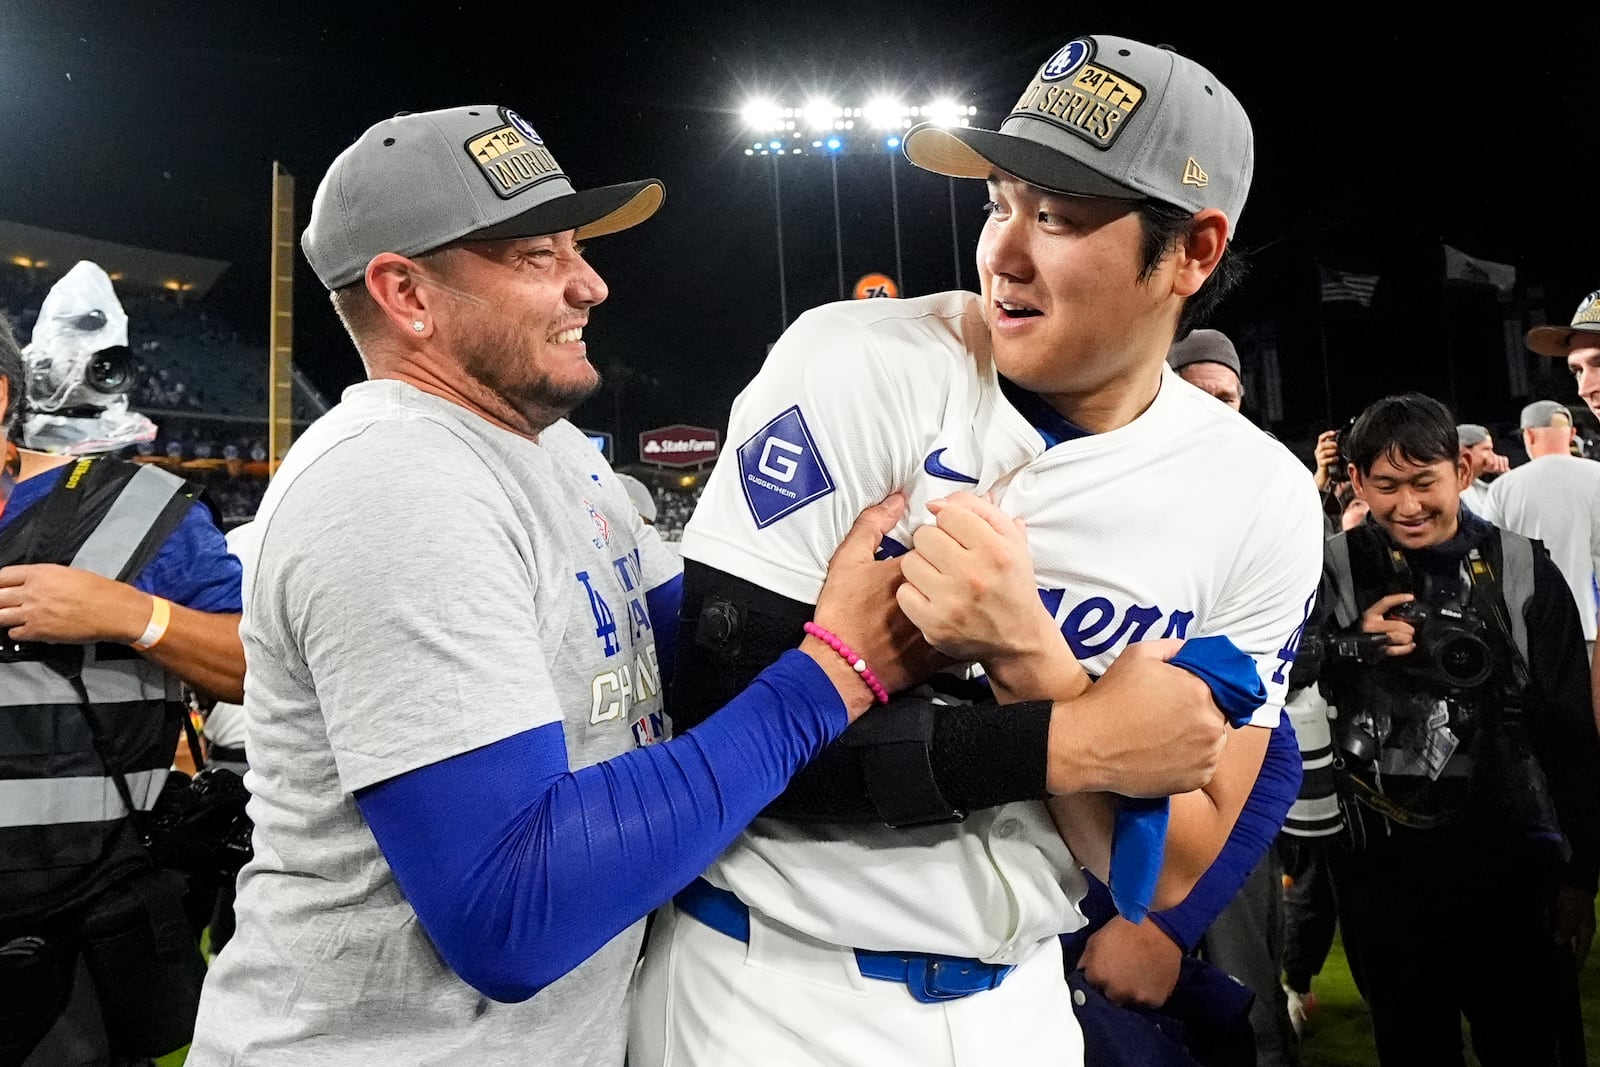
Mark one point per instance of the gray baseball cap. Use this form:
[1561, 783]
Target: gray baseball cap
[418, 181]
[1204, 346]
[1545, 413]
[1106, 116]
[1558, 341]
[1470, 433]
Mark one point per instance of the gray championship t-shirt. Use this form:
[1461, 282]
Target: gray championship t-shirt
[427, 584]
[1556, 499]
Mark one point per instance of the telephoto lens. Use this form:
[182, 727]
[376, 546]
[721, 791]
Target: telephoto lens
[110, 371]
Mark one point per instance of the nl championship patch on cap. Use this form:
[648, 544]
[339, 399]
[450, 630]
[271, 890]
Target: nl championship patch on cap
[1584, 331]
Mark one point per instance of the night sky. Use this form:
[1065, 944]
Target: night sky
[156, 124]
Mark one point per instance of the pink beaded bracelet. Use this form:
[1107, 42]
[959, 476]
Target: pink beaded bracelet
[859, 665]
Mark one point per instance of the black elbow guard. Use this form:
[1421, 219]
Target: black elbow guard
[729, 631]
[913, 762]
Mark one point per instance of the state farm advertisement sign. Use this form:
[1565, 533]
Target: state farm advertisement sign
[679, 446]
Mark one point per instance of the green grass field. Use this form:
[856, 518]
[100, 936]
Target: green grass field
[1338, 1035]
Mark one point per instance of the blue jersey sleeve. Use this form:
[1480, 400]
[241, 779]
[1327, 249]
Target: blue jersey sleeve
[194, 567]
[662, 604]
[1276, 786]
[499, 849]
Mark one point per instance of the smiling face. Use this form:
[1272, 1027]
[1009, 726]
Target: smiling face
[1418, 503]
[514, 319]
[1067, 310]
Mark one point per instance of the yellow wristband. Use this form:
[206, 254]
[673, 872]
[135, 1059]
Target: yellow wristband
[156, 629]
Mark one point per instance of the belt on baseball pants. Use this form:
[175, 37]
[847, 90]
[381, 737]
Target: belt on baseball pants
[931, 979]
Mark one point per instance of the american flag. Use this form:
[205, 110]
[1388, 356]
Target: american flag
[1340, 285]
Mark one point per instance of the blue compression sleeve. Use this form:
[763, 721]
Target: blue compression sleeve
[1259, 821]
[500, 850]
[661, 604]
[1139, 834]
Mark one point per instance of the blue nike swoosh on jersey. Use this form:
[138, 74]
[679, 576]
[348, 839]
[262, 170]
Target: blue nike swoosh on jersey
[939, 470]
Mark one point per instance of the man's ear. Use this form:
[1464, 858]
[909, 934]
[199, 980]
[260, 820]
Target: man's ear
[1200, 251]
[1463, 473]
[391, 280]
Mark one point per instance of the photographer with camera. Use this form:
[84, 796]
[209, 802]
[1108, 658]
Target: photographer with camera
[115, 586]
[1466, 760]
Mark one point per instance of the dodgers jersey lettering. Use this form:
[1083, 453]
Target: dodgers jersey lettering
[1188, 521]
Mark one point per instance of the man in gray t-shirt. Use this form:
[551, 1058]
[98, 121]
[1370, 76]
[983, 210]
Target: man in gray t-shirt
[457, 630]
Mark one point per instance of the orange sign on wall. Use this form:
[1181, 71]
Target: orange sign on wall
[872, 285]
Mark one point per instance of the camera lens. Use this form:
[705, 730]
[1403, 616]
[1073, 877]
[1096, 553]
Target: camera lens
[1464, 660]
[110, 370]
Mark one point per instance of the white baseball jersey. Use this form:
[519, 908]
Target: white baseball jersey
[1556, 499]
[1187, 521]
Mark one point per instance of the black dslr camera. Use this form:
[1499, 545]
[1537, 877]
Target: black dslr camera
[199, 824]
[1451, 650]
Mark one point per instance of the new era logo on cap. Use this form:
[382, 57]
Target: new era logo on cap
[1193, 175]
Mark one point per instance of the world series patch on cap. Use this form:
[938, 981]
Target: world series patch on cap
[1558, 341]
[421, 180]
[1106, 116]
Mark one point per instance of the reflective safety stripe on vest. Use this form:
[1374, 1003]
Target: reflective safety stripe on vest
[53, 801]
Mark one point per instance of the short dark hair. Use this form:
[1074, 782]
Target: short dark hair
[1411, 427]
[14, 373]
[1164, 227]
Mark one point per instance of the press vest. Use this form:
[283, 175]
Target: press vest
[1354, 561]
[71, 716]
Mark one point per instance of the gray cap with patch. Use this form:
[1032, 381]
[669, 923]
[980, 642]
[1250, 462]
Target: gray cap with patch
[1106, 116]
[1559, 341]
[418, 181]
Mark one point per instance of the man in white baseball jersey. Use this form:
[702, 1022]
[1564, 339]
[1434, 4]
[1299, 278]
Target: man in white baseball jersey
[824, 935]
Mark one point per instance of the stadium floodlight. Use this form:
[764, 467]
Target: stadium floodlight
[884, 113]
[762, 113]
[945, 112]
[820, 113]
